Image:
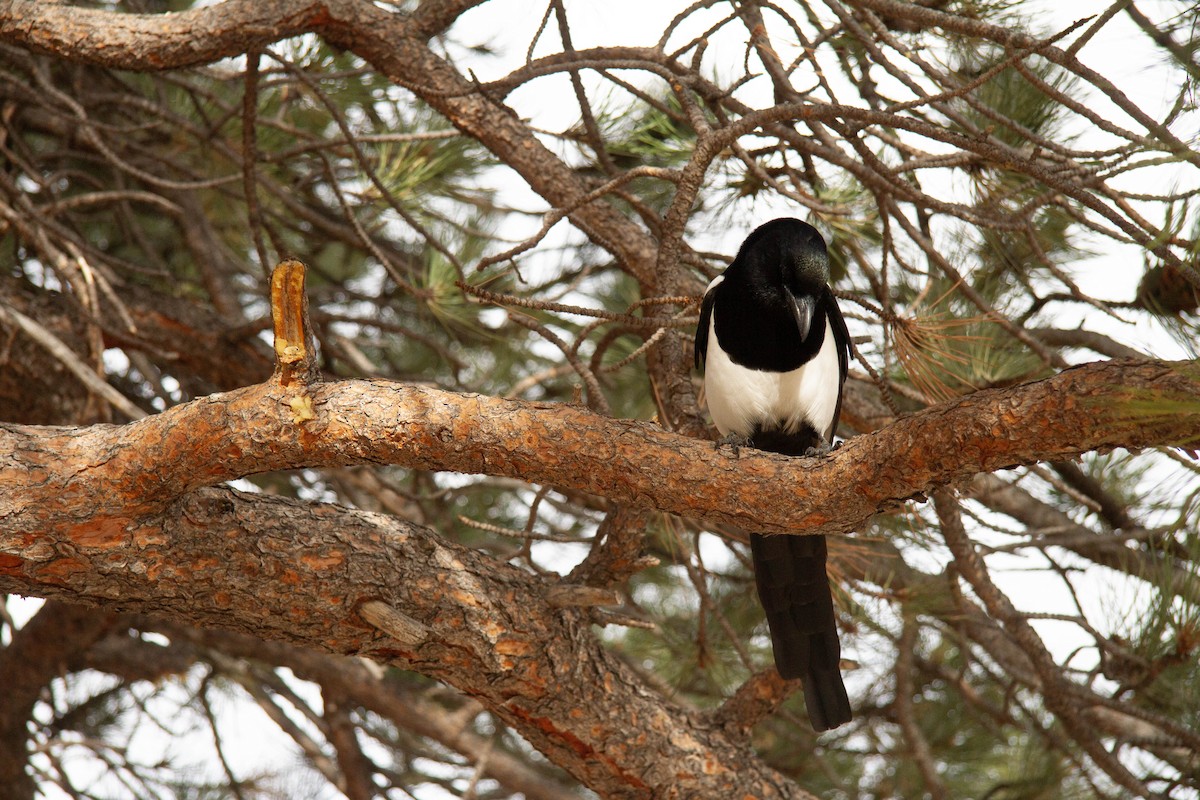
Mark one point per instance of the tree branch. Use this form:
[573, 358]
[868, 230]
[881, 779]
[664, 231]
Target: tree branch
[53, 476]
[493, 631]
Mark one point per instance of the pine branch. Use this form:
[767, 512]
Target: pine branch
[141, 467]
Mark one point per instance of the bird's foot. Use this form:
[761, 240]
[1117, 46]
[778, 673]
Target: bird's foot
[820, 450]
[734, 442]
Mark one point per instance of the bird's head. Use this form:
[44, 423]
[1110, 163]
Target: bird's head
[785, 260]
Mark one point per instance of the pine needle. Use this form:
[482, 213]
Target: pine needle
[933, 355]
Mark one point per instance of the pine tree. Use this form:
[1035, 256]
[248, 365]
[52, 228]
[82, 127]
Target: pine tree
[472, 538]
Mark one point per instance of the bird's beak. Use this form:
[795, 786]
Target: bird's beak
[802, 309]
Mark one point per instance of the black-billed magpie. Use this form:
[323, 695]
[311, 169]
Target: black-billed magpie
[774, 349]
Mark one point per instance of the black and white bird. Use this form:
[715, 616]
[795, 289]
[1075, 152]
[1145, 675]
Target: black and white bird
[774, 349]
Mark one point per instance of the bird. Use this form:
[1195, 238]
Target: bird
[775, 350]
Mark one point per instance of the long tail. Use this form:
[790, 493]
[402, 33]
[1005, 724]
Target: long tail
[794, 591]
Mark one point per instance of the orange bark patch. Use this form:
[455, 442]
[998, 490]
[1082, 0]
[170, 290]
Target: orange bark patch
[317, 562]
[464, 598]
[513, 647]
[491, 629]
[104, 533]
[10, 563]
[548, 727]
[581, 748]
[62, 569]
[204, 564]
[146, 536]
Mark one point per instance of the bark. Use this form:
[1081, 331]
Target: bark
[299, 573]
[54, 477]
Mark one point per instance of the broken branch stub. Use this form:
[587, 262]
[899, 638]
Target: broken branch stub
[295, 345]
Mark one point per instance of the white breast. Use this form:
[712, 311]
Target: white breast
[742, 399]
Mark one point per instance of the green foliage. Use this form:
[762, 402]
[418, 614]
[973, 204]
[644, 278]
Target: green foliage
[646, 134]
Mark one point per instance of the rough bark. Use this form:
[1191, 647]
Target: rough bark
[281, 569]
[51, 476]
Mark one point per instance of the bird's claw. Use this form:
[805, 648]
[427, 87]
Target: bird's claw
[820, 450]
[734, 442]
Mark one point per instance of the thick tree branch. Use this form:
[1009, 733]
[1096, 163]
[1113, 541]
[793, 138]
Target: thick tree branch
[300, 573]
[53, 477]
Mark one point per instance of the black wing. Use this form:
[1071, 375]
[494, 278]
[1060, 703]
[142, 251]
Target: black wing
[702, 326]
[841, 335]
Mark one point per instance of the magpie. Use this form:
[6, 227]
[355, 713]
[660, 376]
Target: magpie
[774, 349]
